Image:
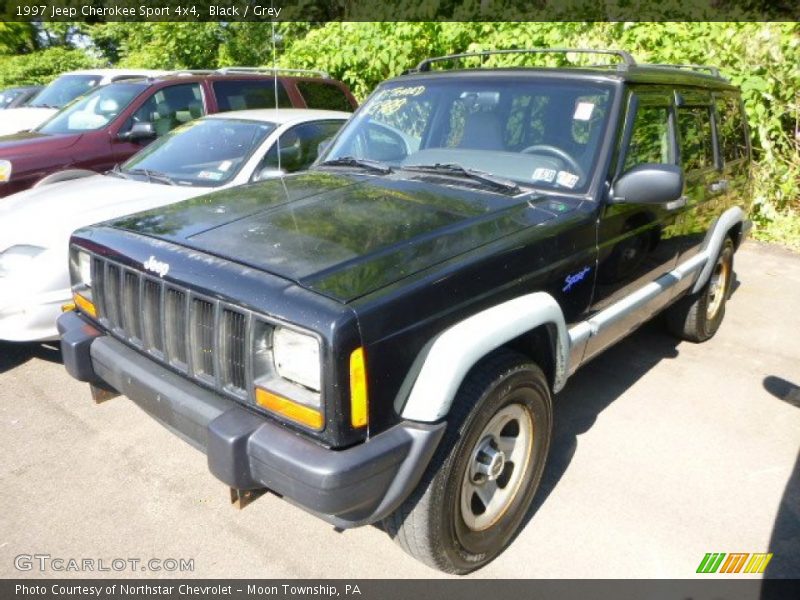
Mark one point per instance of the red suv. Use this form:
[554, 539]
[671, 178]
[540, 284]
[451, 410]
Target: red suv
[111, 123]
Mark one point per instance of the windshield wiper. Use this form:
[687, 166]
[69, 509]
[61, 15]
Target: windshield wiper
[458, 170]
[155, 176]
[117, 172]
[352, 161]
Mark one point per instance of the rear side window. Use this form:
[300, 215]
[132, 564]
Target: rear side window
[731, 129]
[650, 137]
[697, 147]
[252, 93]
[325, 96]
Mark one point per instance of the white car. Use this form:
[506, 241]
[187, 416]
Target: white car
[217, 151]
[60, 92]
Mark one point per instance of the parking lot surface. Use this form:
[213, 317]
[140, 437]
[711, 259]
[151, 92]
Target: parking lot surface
[663, 452]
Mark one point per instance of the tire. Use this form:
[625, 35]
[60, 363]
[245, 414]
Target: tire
[697, 317]
[503, 403]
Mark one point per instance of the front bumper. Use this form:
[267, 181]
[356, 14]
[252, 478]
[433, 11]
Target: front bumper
[247, 450]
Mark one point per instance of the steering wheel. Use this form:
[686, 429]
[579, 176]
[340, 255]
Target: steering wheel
[557, 152]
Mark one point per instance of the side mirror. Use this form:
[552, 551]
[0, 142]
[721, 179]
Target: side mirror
[648, 184]
[268, 173]
[144, 130]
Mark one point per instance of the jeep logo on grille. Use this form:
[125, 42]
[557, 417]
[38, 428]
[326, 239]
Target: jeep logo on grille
[156, 266]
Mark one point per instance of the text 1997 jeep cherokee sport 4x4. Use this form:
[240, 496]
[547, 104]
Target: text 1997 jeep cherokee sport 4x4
[378, 339]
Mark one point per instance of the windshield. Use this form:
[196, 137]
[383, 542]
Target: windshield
[8, 96]
[64, 90]
[538, 132]
[208, 152]
[94, 110]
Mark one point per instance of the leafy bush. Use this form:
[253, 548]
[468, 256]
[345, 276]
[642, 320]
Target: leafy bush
[761, 58]
[41, 67]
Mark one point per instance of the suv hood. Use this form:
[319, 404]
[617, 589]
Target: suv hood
[33, 142]
[13, 120]
[341, 235]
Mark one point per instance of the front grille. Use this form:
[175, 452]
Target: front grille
[234, 340]
[151, 316]
[203, 337]
[175, 326]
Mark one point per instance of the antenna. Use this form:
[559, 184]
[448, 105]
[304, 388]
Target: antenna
[275, 85]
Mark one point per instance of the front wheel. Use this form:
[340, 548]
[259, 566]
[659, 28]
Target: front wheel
[483, 477]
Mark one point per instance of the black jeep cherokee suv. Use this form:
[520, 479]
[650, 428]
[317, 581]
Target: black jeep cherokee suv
[379, 339]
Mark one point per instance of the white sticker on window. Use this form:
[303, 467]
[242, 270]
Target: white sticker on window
[542, 174]
[224, 165]
[212, 175]
[567, 179]
[583, 112]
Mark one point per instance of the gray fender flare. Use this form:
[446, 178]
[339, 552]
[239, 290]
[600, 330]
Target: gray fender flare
[454, 352]
[713, 244]
[67, 175]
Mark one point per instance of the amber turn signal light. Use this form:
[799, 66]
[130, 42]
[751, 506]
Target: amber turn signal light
[289, 409]
[85, 305]
[359, 415]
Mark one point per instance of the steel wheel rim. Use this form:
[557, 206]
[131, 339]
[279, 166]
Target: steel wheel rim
[497, 466]
[718, 287]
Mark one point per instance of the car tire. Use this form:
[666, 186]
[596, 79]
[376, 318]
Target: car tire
[697, 317]
[481, 481]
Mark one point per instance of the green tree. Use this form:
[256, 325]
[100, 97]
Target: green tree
[42, 66]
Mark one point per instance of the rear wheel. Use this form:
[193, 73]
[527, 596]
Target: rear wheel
[481, 481]
[697, 317]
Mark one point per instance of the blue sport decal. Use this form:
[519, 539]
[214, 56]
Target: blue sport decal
[576, 278]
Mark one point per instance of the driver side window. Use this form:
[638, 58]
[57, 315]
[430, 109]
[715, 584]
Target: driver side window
[650, 138]
[169, 107]
[299, 146]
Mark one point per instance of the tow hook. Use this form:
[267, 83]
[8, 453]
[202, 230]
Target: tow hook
[241, 498]
[101, 393]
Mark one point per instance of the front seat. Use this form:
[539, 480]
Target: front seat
[166, 119]
[482, 131]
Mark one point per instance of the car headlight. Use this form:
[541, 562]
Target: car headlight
[287, 375]
[17, 258]
[296, 357]
[80, 270]
[5, 170]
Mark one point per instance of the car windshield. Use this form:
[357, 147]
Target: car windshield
[537, 132]
[207, 152]
[8, 96]
[94, 110]
[64, 90]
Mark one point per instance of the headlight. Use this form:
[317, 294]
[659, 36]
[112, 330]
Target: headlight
[80, 270]
[5, 170]
[286, 367]
[296, 357]
[16, 258]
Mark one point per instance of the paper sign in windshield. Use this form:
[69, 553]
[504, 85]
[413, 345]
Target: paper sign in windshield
[543, 174]
[567, 179]
[583, 112]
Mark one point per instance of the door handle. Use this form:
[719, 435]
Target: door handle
[676, 204]
[719, 186]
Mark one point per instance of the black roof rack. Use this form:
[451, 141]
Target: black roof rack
[626, 59]
[713, 71]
